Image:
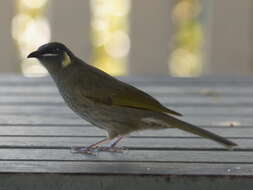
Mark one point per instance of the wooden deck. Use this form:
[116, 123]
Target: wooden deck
[37, 131]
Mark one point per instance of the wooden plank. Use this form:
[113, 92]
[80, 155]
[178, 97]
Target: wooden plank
[13, 78]
[202, 93]
[190, 101]
[187, 111]
[164, 99]
[194, 156]
[180, 82]
[89, 130]
[131, 143]
[119, 168]
[166, 89]
[75, 120]
[169, 89]
[155, 90]
[203, 82]
[191, 116]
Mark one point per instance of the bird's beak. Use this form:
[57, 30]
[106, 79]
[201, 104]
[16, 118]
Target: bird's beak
[35, 54]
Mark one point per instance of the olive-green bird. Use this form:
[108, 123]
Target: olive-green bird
[108, 103]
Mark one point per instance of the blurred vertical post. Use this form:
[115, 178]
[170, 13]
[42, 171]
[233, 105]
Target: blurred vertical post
[186, 56]
[8, 52]
[30, 30]
[150, 34]
[229, 37]
[110, 38]
[70, 24]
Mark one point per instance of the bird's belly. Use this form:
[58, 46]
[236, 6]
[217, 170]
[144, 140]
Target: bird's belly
[119, 118]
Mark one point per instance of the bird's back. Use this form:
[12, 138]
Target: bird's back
[99, 86]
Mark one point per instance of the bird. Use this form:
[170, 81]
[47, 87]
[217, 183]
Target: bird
[108, 103]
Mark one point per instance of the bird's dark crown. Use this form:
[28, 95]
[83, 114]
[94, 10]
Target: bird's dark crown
[52, 49]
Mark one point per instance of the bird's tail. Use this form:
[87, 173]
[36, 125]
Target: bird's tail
[173, 122]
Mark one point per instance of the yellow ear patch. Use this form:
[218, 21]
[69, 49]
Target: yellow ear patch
[66, 60]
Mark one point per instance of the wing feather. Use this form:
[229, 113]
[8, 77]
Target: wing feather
[128, 96]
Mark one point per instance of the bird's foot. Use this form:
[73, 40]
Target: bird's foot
[84, 150]
[94, 150]
[111, 149]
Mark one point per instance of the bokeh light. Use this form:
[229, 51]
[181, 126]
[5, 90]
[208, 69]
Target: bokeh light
[30, 29]
[111, 43]
[186, 57]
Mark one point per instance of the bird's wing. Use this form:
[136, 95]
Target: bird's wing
[128, 96]
[133, 97]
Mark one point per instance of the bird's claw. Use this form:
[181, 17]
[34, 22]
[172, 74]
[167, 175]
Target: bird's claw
[84, 150]
[112, 149]
[94, 150]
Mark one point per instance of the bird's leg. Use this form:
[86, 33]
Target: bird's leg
[113, 147]
[89, 149]
[117, 141]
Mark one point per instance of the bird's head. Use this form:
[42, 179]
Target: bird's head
[54, 56]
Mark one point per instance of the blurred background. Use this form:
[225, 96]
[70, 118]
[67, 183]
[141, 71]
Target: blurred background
[183, 38]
